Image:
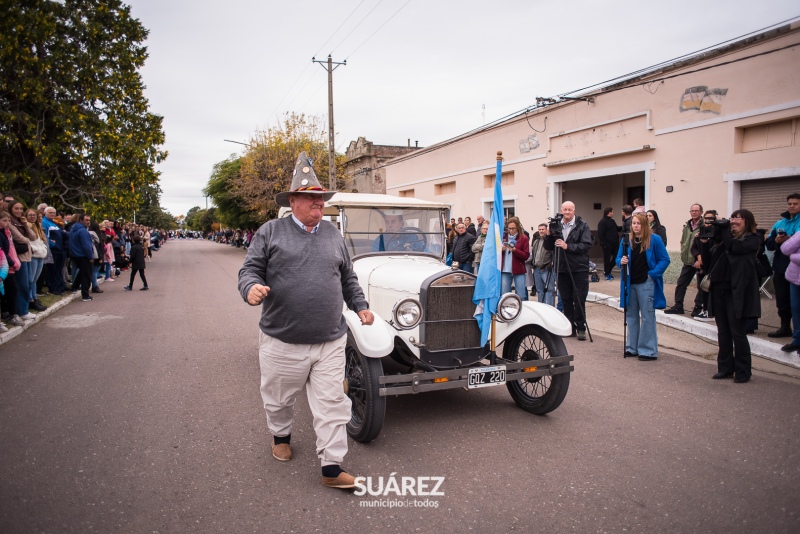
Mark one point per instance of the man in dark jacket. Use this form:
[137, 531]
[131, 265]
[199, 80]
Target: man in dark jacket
[462, 248]
[80, 250]
[608, 236]
[572, 258]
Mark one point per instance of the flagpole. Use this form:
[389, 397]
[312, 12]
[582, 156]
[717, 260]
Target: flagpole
[492, 345]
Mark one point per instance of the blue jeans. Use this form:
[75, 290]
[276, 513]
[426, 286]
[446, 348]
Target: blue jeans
[642, 337]
[540, 280]
[519, 284]
[466, 266]
[95, 272]
[108, 270]
[23, 287]
[34, 270]
[794, 295]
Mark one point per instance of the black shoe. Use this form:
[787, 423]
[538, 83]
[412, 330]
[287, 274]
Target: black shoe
[36, 305]
[696, 312]
[677, 310]
[87, 298]
[720, 376]
[783, 331]
[96, 290]
[790, 347]
[127, 288]
[647, 358]
[630, 354]
[741, 379]
[145, 288]
[581, 334]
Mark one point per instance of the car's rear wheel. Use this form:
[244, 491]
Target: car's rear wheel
[542, 394]
[361, 380]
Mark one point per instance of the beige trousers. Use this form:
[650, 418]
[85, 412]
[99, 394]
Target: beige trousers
[285, 369]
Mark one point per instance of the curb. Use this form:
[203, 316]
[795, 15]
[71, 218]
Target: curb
[14, 331]
[758, 346]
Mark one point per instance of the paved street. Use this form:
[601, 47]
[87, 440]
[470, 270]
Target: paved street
[140, 412]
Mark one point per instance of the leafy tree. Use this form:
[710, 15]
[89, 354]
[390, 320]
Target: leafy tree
[231, 210]
[267, 166]
[75, 130]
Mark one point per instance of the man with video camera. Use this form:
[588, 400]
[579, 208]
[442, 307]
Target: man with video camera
[571, 239]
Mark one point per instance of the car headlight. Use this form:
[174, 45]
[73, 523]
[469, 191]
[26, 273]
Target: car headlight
[509, 307]
[407, 313]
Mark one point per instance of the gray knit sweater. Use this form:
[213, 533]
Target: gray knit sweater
[310, 276]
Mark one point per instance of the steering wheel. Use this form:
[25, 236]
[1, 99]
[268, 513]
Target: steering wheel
[415, 240]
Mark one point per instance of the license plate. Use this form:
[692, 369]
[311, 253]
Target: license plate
[482, 377]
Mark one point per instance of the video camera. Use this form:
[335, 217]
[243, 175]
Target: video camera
[714, 230]
[554, 226]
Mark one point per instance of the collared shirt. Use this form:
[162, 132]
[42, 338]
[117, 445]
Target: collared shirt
[694, 226]
[303, 226]
[567, 227]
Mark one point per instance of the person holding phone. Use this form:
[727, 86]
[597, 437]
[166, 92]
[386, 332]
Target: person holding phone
[516, 249]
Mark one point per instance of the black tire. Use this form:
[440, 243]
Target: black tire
[368, 411]
[539, 395]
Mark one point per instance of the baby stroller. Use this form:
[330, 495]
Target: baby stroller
[593, 272]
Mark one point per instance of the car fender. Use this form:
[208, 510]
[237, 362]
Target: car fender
[373, 341]
[535, 313]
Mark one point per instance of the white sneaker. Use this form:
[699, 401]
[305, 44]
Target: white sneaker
[30, 316]
[3, 328]
[16, 321]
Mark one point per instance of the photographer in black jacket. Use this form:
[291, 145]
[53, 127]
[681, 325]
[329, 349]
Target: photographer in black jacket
[734, 294]
[572, 239]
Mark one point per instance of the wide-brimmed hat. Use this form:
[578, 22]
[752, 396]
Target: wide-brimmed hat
[304, 180]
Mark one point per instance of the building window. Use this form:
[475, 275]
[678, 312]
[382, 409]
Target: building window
[407, 193]
[507, 179]
[768, 136]
[448, 188]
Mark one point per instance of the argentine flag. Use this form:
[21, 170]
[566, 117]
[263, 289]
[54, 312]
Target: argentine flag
[487, 286]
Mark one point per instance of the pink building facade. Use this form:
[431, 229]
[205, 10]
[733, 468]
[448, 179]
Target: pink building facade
[719, 129]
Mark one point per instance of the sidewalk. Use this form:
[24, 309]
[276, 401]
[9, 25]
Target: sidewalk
[607, 292]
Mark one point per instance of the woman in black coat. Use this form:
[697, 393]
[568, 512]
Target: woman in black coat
[656, 227]
[137, 263]
[734, 292]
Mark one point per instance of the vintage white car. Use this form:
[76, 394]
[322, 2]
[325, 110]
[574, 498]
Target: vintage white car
[425, 337]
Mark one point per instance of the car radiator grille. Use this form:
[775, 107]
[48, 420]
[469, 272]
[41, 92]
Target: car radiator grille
[449, 323]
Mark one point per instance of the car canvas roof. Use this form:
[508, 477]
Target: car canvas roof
[365, 200]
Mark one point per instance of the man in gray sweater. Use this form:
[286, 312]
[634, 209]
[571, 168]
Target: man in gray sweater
[299, 270]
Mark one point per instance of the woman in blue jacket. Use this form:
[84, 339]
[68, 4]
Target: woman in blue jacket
[647, 259]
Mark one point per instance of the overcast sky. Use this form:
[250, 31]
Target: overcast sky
[434, 69]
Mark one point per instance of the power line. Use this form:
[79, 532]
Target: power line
[484, 129]
[339, 28]
[376, 31]
[356, 26]
[679, 58]
[308, 64]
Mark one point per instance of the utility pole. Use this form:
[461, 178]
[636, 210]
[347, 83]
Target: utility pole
[330, 66]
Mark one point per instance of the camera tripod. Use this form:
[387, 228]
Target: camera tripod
[558, 253]
[624, 276]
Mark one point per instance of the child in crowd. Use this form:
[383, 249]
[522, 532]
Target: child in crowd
[108, 257]
[137, 264]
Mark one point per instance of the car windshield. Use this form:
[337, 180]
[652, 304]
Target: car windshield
[392, 230]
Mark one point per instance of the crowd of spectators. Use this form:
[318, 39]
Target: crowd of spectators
[44, 250]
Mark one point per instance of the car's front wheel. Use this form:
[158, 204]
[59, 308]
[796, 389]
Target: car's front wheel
[361, 381]
[542, 394]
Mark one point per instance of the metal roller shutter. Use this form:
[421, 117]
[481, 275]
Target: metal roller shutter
[767, 198]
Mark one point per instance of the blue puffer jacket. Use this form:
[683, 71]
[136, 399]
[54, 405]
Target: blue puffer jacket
[80, 242]
[657, 261]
